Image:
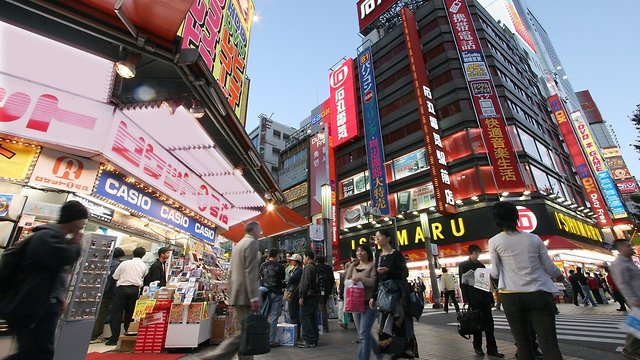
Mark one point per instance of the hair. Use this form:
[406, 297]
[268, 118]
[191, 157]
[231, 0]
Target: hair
[386, 232]
[572, 272]
[139, 252]
[619, 243]
[353, 253]
[444, 270]
[251, 227]
[578, 269]
[474, 248]
[118, 253]
[321, 259]
[506, 216]
[274, 253]
[163, 250]
[366, 248]
[310, 254]
[71, 211]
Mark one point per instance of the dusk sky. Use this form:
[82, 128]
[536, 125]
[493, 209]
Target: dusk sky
[293, 46]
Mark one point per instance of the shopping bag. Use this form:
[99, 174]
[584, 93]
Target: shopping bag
[332, 308]
[255, 335]
[353, 297]
[343, 317]
[632, 323]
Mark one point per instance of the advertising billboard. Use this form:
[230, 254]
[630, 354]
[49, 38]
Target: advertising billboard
[485, 100]
[342, 103]
[445, 201]
[619, 170]
[599, 167]
[579, 162]
[409, 164]
[418, 198]
[220, 30]
[372, 133]
[63, 171]
[370, 10]
[319, 170]
[16, 159]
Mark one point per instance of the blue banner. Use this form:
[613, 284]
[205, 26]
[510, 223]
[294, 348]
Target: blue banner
[113, 187]
[372, 134]
[610, 192]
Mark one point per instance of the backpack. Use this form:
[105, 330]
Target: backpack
[10, 276]
[323, 280]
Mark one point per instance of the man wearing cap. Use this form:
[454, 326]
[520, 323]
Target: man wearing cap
[33, 309]
[158, 270]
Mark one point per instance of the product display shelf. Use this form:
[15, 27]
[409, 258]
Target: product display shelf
[189, 325]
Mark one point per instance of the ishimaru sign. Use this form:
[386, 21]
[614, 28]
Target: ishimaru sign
[115, 188]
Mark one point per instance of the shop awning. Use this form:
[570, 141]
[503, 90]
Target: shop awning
[561, 243]
[274, 222]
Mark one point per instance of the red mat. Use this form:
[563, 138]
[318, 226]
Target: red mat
[127, 356]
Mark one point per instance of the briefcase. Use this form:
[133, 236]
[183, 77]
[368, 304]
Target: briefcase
[255, 335]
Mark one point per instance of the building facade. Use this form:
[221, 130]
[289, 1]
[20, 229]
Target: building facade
[269, 138]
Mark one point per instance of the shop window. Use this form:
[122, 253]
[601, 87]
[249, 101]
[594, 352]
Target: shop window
[513, 136]
[529, 144]
[544, 155]
[542, 181]
[466, 184]
[477, 143]
[488, 182]
[525, 171]
[397, 104]
[456, 146]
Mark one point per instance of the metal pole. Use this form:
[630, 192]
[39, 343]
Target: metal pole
[435, 292]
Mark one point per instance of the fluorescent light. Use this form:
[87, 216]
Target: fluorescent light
[103, 203]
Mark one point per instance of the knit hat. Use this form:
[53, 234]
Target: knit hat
[71, 211]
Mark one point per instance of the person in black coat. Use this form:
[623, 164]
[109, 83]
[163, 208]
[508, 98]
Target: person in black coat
[157, 271]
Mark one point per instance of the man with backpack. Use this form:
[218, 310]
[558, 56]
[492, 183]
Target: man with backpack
[34, 281]
[327, 284]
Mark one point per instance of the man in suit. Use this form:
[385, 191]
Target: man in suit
[244, 293]
[158, 270]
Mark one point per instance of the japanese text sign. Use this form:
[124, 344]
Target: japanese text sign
[64, 171]
[342, 104]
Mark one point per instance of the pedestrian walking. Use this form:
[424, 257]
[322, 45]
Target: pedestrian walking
[584, 285]
[525, 271]
[129, 277]
[363, 270]
[396, 335]
[309, 292]
[327, 283]
[158, 270]
[627, 278]
[604, 288]
[575, 286]
[32, 308]
[272, 278]
[594, 286]
[481, 301]
[449, 286]
[615, 292]
[107, 296]
[244, 292]
[292, 294]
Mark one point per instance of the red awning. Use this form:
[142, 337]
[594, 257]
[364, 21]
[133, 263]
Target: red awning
[561, 243]
[277, 221]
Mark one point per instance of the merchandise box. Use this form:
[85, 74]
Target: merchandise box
[287, 334]
[127, 343]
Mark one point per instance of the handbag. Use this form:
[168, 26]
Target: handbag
[354, 297]
[388, 294]
[469, 322]
[632, 323]
[289, 292]
[416, 305]
[255, 335]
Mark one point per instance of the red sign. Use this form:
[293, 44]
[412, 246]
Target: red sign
[504, 161]
[445, 202]
[580, 163]
[527, 220]
[627, 186]
[342, 98]
[319, 175]
[370, 10]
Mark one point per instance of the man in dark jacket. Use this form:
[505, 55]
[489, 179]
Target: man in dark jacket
[33, 309]
[158, 270]
[272, 278]
[575, 286]
[309, 299]
[481, 301]
[108, 295]
[327, 283]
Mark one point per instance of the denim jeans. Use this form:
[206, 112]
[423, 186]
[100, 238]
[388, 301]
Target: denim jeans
[274, 312]
[588, 296]
[309, 319]
[364, 323]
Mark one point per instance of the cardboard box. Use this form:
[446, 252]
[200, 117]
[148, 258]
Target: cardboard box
[287, 334]
[127, 343]
[218, 331]
[133, 328]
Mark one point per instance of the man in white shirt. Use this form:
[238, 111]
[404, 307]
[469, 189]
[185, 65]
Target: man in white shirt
[129, 277]
[525, 272]
[449, 286]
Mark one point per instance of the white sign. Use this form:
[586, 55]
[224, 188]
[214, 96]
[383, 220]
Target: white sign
[316, 233]
[63, 171]
[482, 279]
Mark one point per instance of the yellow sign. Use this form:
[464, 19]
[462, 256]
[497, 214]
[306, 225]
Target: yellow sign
[143, 307]
[576, 227]
[16, 159]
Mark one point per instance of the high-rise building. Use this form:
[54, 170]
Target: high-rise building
[269, 138]
[604, 134]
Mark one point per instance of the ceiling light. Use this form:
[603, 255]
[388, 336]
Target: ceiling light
[459, 202]
[238, 172]
[526, 192]
[432, 208]
[270, 207]
[505, 193]
[359, 226]
[171, 105]
[386, 219]
[415, 213]
[127, 68]
[552, 196]
[475, 198]
[196, 110]
[400, 216]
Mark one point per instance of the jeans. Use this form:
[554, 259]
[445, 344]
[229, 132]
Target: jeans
[122, 310]
[273, 313]
[450, 294]
[364, 323]
[536, 309]
[230, 346]
[37, 342]
[309, 320]
[588, 296]
[487, 322]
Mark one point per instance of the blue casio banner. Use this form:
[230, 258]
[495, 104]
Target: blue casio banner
[372, 133]
[115, 188]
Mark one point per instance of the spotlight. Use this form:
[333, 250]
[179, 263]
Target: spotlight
[359, 226]
[196, 110]
[127, 68]
[526, 193]
[171, 105]
[415, 213]
[270, 207]
[475, 198]
[505, 193]
[459, 202]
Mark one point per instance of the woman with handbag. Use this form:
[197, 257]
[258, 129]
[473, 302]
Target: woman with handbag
[391, 297]
[363, 271]
[291, 292]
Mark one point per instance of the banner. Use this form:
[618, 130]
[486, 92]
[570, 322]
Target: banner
[220, 30]
[599, 167]
[319, 170]
[115, 188]
[16, 159]
[342, 104]
[579, 162]
[619, 170]
[64, 171]
[445, 201]
[504, 161]
[372, 133]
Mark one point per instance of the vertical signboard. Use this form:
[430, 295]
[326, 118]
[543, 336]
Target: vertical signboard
[598, 166]
[331, 162]
[485, 100]
[619, 170]
[372, 133]
[445, 202]
[342, 97]
[319, 174]
[220, 30]
[579, 162]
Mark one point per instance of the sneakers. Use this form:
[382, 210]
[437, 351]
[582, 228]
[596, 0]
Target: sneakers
[96, 341]
[111, 343]
[305, 345]
[479, 352]
[495, 354]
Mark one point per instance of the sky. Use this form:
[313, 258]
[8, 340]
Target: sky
[292, 48]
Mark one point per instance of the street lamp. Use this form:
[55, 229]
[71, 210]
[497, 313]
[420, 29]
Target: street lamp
[435, 292]
[325, 195]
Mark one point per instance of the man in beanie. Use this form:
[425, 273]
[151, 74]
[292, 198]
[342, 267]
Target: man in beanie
[33, 308]
[158, 270]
